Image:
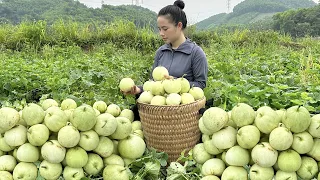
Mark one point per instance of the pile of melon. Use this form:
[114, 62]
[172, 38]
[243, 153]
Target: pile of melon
[55, 140]
[164, 89]
[259, 144]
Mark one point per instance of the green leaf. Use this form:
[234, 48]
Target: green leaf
[85, 178]
[297, 102]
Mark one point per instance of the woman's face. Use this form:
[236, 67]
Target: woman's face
[167, 29]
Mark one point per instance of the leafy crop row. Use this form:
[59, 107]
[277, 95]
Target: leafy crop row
[259, 68]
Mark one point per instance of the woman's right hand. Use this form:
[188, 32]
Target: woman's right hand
[168, 77]
[134, 90]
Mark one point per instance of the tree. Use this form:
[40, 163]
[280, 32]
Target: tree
[51, 10]
[300, 22]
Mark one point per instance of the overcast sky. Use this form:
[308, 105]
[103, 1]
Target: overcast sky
[196, 10]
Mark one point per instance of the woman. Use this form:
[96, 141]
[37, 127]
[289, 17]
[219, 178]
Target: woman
[179, 54]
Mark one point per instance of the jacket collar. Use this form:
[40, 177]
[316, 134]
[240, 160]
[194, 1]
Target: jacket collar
[186, 47]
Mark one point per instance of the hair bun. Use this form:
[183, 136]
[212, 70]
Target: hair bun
[179, 3]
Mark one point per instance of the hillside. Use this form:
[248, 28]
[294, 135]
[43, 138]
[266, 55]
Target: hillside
[250, 11]
[16, 11]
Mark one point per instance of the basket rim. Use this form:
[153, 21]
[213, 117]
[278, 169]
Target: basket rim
[180, 105]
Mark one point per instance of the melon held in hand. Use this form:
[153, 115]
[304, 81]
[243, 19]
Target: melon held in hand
[159, 73]
[126, 84]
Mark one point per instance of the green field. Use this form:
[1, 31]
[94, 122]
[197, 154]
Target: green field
[88, 61]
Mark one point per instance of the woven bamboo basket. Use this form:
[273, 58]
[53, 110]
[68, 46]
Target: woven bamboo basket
[171, 129]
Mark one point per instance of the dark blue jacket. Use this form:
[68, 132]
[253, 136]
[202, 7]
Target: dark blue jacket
[187, 59]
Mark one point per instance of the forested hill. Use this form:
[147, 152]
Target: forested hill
[15, 11]
[250, 11]
[298, 23]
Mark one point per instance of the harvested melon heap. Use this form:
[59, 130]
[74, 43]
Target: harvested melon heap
[262, 144]
[68, 141]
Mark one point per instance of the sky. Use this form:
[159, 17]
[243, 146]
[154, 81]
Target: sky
[196, 10]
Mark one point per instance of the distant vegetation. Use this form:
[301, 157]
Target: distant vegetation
[16, 11]
[269, 6]
[300, 22]
[299, 17]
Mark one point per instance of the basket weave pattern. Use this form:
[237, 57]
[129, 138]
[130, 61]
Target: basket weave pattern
[171, 129]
